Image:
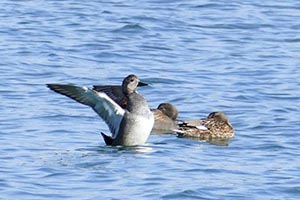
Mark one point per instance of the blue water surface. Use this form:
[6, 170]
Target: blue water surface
[239, 57]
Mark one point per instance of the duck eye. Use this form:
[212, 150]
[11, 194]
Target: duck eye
[131, 80]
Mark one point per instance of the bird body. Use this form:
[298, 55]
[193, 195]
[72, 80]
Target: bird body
[165, 115]
[130, 126]
[216, 125]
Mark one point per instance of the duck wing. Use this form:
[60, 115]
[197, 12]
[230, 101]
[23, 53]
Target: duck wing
[101, 103]
[201, 124]
[113, 91]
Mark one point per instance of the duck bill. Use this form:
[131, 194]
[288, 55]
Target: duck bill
[142, 84]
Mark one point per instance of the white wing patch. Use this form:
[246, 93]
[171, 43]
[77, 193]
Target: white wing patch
[110, 112]
[201, 127]
[104, 106]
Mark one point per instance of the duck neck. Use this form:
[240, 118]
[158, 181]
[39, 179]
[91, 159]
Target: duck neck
[136, 103]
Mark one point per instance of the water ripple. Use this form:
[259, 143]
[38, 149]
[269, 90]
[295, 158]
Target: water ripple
[238, 57]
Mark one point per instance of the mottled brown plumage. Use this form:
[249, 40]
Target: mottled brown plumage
[216, 125]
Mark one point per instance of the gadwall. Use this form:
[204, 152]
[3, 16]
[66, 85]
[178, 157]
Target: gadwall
[216, 125]
[165, 115]
[130, 126]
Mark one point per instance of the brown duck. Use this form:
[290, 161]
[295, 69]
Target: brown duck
[215, 125]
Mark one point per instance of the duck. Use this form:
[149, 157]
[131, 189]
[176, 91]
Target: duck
[129, 126]
[215, 125]
[165, 118]
[115, 92]
[165, 115]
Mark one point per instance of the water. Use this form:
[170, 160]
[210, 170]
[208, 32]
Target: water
[240, 57]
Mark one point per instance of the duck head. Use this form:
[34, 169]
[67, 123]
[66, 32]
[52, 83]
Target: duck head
[168, 109]
[129, 84]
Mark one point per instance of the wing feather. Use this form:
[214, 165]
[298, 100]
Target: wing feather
[113, 91]
[103, 105]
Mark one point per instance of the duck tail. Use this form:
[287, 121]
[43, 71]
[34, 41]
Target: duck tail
[108, 140]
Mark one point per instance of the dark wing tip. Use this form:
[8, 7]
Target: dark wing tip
[49, 85]
[70, 91]
[108, 140]
[52, 86]
[55, 86]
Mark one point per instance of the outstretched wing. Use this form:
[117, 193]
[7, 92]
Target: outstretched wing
[113, 91]
[104, 106]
